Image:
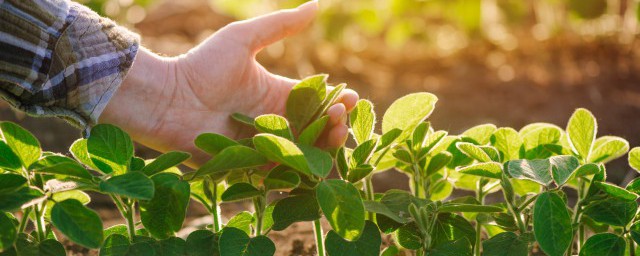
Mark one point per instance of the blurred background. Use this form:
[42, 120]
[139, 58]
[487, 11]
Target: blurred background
[507, 62]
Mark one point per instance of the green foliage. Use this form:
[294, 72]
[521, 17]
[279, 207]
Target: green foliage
[531, 168]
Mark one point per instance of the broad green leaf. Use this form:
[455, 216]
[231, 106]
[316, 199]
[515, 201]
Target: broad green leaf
[508, 142]
[616, 191]
[562, 168]
[342, 205]
[115, 245]
[78, 223]
[388, 138]
[305, 99]
[362, 120]
[473, 151]
[612, 211]
[20, 198]
[213, 143]
[319, 161]
[634, 186]
[202, 243]
[460, 247]
[10, 183]
[489, 170]
[538, 170]
[380, 208]
[61, 165]
[281, 177]
[437, 162]
[392, 250]
[295, 209]
[552, 224]
[607, 148]
[243, 119]
[330, 100]
[79, 195]
[8, 159]
[419, 135]
[581, 130]
[234, 242]
[134, 185]
[233, 157]
[408, 236]
[451, 227]
[440, 190]
[80, 152]
[433, 141]
[634, 158]
[634, 231]
[267, 217]
[359, 172]
[407, 112]
[240, 191]
[165, 161]
[310, 135]
[363, 152]
[585, 170]
[165, 212]
[342, 161]
[241, 221]
[274, 124]
[469, 208]
[283, 151]
[118, 229]
[110, 148]
[22, 142]
[8, 231]
[605, 244]
[51, 247]
[538, 137]
[173, 246]
[137, 164]
[480, 133]
[367, 245]
[505, 244]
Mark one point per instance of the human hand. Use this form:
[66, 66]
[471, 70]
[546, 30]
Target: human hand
[164, 103]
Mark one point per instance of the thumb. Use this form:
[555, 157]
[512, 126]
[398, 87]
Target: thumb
[270, 28]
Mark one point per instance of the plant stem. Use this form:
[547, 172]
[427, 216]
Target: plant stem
[214, 208]
[258, 204]
[632, 249]
[418, 189]
[24, 220]
[577, 210]
[40, 228]
[369, 193]
[317, 229]
[131, 226]
[480, 196]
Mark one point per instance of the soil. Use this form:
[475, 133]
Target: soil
[539, 81]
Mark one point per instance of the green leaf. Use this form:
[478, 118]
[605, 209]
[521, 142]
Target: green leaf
[508, 142]
[110, 148]
[330, 100]
[213, 143]
[362, 120]
[20, 198]
[634, 158]
[634, 186]
[115, 245]
[8, 159]
[538, 170]
[473, 151]
[388, 138]
[586, 169]
[274, 124]
[281, 150]
[134, 185]
[392, 250]
[10, 182]
[80, 152]
[82, 197]
[51, 247]
[305, 99]
[634, 231]
[455, 207]
[488, 170]
[310, 135]
[243, 119]
[538, 137]
[616, 191]
[234, 242]
[605, 244]
[165, 161]
[60, 165]
[173, 246]
[451, 227]
[505, 244]
[367, 245]
[552, 224]
[612, 211]
[607, 148]
[409, 237]
[22, 142]
[281, 177]
[342, 205]
[78, 223]
[582, 129]
[437, 162]
[440, 190]
[295, 209]
[363, 152]
[342, 161]
[233, 157]
[407, 112]
[359, 172]
[118, 229]
[480, 133]
[461, 247]
[202, 243]
[165, 212]
[562, 168]
[240, 191]
[8, 231]
[319, 161]
[241, 221]
[380, 208]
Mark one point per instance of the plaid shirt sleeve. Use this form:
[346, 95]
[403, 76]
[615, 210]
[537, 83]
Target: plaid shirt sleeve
[59, 58]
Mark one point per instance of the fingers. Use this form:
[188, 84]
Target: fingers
[349, 98]
[264, 30]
